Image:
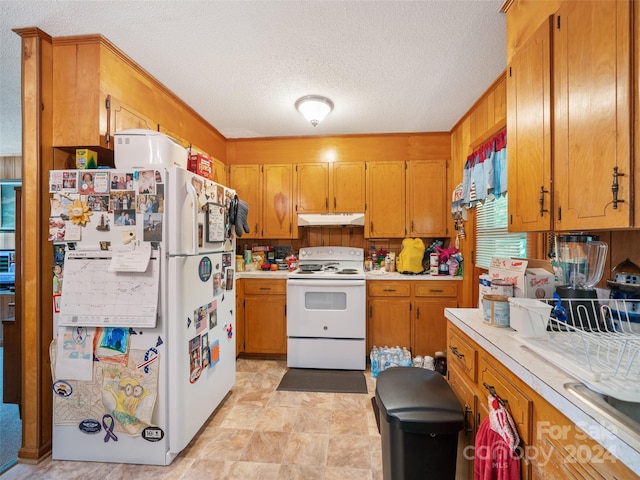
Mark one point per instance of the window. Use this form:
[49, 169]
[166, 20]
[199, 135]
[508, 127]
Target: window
[492, 236]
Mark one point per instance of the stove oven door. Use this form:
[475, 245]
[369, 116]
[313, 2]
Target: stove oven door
[328, 308]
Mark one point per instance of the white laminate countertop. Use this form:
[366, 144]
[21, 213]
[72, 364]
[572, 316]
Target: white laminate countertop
[548, 381]
[375, 275]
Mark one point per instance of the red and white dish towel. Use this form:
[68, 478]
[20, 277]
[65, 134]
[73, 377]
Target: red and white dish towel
[496, 455]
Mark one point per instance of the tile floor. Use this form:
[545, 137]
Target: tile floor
[258, 433]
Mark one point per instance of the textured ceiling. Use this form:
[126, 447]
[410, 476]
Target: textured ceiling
[389, 66]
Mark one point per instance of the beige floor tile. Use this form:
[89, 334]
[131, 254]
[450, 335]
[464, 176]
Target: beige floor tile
[220, 444]
[349, 422]
[265, 447]
[313, 420]
[302, 472]
[250, 471]
[242, 416]
[307, 449]
[336, 473]
[277, 419]
[350, 451]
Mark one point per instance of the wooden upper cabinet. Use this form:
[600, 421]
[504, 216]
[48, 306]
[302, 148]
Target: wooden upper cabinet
[385, 188]
[592, 123]
[278, 201]
[98, 91]
[529, 134]
[427, 198]
[348, 182]
[246, 180]
[489, 115]
[331, 187]
[313, 187]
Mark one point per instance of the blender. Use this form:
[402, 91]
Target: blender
[581, 259]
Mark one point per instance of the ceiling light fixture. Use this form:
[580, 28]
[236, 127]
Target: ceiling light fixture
[314, 108]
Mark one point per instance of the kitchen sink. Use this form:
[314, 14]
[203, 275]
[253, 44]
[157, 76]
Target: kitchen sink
[624, 415]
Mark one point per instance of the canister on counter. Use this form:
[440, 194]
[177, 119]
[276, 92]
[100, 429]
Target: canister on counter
[239, 263]
[247, 257]
[434, 260]
[495, 310]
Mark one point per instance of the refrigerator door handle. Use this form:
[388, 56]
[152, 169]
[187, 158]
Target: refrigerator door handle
[191, 191]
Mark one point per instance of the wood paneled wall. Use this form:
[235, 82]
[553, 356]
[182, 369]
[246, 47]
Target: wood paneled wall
[346, 148]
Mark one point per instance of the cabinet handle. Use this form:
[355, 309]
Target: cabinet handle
[107, 133]
[334, 203]
[417, 313]
[615, 187]
[435, 290]
[541, 201]
[467, 424]
[326, 202]
[389, 290]
[265, 288]
[455, 351]
[371, 227]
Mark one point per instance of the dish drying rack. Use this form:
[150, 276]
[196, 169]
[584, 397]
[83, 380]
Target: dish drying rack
[596, 341]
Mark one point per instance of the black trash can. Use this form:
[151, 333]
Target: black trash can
[420, 417]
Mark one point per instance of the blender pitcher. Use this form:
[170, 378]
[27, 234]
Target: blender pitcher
[581, 259]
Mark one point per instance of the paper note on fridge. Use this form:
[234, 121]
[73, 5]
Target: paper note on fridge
[92, 295]
[131, 259]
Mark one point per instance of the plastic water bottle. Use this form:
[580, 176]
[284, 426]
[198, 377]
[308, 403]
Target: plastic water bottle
[374, 361]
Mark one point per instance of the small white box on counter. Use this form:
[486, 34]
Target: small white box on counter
[531, 278]
[484, 288]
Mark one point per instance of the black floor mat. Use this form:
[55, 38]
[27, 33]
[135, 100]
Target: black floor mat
[333, 381]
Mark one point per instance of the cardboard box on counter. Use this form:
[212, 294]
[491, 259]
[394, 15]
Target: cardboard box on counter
[531, 278]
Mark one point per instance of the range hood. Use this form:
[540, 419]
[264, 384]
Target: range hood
[330, 219]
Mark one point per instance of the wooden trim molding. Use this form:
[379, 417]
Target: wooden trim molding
[35, 288]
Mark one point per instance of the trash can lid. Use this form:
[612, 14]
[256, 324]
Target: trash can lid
[418, 400]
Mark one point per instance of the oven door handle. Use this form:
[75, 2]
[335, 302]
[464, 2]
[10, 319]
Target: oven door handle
[326, 283]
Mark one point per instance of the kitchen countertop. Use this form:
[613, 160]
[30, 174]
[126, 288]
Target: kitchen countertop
[375, 275]
[548, 381]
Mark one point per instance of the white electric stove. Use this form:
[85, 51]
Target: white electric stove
[326, 321]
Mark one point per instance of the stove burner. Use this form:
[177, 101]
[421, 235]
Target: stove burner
[347, 271]
[306, 272]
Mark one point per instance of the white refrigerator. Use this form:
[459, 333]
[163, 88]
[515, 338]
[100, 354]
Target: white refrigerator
[144, 309]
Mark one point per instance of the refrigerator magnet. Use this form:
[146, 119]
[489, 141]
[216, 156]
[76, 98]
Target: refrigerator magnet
[205, 269]
[90, 425]
[153, 434]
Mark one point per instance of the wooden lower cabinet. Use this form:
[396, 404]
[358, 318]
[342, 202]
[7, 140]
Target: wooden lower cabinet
[409, 313]
[552, 445]
[389, 314]
[265, 321]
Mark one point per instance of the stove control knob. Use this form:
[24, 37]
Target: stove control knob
[330, 251]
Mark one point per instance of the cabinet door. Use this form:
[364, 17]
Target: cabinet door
[430, 325]
[529, 131]
[278, 200]
[427, 198]
[466, 438]
[122, 117]
[592, 124]
[313, 187]
[389, 322]
[247, 182]
[219, 172]
[240, 328]
[348, 181]
[265, 324]
[385, 187]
